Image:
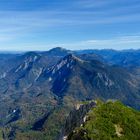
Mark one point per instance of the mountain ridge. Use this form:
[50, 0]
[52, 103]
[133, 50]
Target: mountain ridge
[42, 88]
[109, 120]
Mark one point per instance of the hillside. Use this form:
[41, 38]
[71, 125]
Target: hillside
[111, 120]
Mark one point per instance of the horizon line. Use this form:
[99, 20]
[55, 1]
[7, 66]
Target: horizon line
[45, 50]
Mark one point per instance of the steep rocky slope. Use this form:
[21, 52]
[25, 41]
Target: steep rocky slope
[111, 120]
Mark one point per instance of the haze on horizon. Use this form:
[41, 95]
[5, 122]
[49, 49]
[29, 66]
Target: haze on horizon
[75, 24]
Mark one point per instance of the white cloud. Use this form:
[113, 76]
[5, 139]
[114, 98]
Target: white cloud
[119, 43]
[123, 42]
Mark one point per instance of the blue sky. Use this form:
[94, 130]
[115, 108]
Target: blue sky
[72, 24]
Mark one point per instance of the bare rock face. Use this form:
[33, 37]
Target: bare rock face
[76, 118]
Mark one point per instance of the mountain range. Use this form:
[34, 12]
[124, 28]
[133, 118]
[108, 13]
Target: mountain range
[39, 89]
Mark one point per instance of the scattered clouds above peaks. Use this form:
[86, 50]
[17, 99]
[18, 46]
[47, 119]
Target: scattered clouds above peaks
[62, 22]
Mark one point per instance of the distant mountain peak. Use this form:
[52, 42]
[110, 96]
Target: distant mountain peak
[67, 61]
[58, 51]
[62, 68]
